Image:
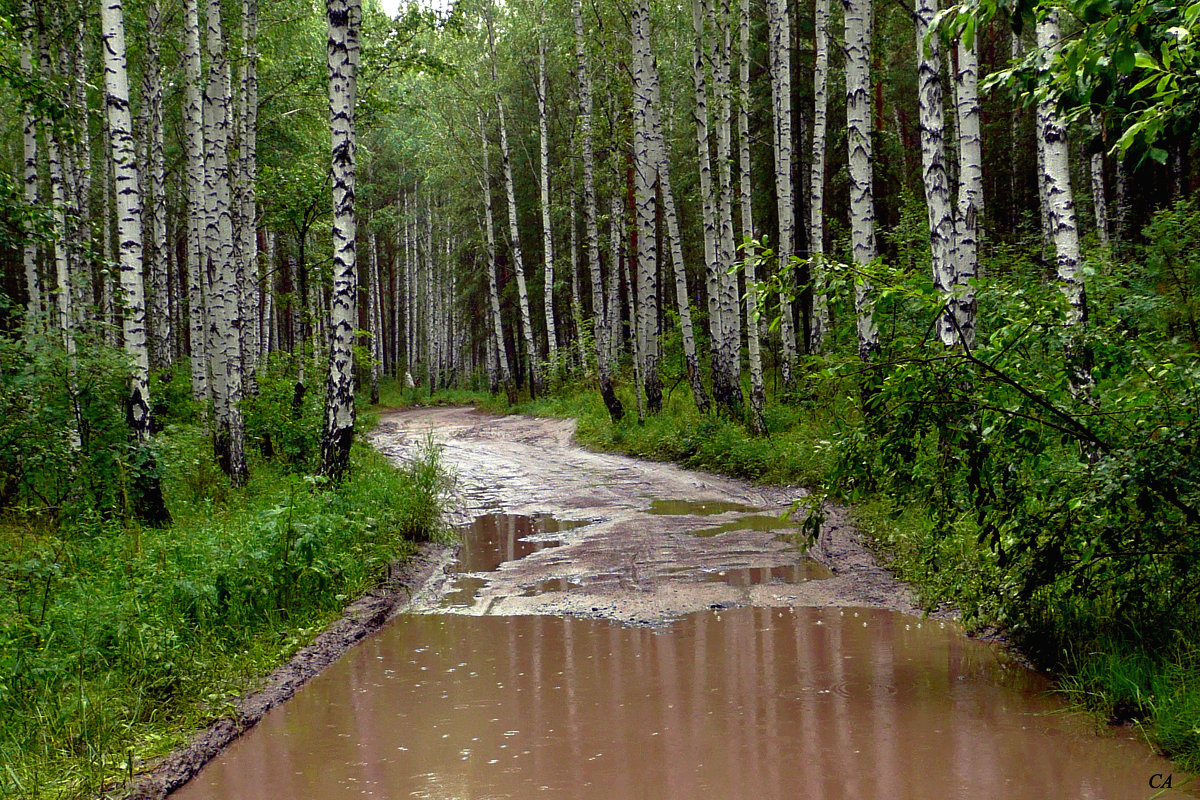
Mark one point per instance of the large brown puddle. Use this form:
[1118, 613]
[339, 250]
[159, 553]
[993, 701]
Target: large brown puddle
[747, 703]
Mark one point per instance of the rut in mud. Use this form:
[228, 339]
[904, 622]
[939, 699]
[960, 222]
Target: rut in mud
[636, 541]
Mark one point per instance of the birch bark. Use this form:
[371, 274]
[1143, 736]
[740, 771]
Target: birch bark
[344, 18]
[935, 177]
[193, 128]
[547, 237]
[781, 93]
[1099, 195]
[494, 318]
[969, 213]
[603, 367]
[155, 222]
[757, 389]
[375, 316]
[862, 195]
[225, 309]
[29, 250]
[816, 191]
[1060, 217]
[645, 200]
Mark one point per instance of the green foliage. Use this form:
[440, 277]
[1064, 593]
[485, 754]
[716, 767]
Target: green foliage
[117, 640]
[285, 420]
[64, 442]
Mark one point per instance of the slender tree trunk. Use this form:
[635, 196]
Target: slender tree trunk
[781, 102]
[645, 200]
[150, 504]
[225, 297]
[936, 179]
[155, 221]
[657, 143]
[267, 337]
[757, 390]
[375, 316]
[345, 20]
[1060, 216]
[616, 240]
[731, 315]
[495, 320]
[1099, 195]
[81, 170]
[58, 206]
[29, 250]
[862, 194]
[816, 192]
[576, 299]
[193, 128]
[547, 238]
[532, 354]
[969, 214]
[603, 365]
[251, 287]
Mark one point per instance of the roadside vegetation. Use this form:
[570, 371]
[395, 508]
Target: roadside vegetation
[117, 640]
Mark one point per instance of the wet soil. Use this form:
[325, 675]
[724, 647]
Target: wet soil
[639, 541]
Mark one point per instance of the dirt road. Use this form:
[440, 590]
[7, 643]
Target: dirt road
[634, 555]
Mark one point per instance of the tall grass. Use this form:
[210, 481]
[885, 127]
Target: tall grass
[116, 641]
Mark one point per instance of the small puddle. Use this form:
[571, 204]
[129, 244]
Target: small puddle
[551, 585]
[806, 570]
[492, 539]
[756, 522]
[683, 508]
[747, 703]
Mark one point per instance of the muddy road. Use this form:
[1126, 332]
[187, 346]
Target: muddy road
[750, 671]
[633, 541]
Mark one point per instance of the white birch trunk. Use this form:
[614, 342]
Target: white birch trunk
[29, 250]
[495, 320]
[603, 367]
[576, 299]
[645, 200]
[935, 177]
[969, 214]
[225, 296]
[251, 287]
[658, 147]
[816, 191]
[757, 389]
[1060, 214]
[193, 128]
[781, 104]
[1099, 195]
[547, 237]
[129, 211]
[155, 212]
[532, 356]
[375, 317]
[862, 195]
[616, 241]
[344, 18]
[731, 315]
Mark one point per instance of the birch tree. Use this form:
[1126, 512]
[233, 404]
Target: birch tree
[251, 286]
[603, 366]
[1060, 215]
[29, 250]
[193, 128]
[757, 390]
[129, 223]
[496, 323]
[858, 25]
[345, 19]
[781, 104]
[935, 177]
[816, 192]
[532, 356]
[155, 217]
[645, 200]
[969, 211]
[544, 185]
[225, 295]
[375, 315]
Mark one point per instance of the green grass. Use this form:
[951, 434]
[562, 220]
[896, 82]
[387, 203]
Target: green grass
[119, 641]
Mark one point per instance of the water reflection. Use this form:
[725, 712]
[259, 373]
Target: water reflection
[745, 703]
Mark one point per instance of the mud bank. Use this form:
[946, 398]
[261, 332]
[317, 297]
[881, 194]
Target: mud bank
[361, 618]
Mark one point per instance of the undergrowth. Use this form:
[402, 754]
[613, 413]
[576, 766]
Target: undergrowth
[117, 640]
